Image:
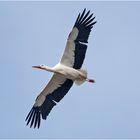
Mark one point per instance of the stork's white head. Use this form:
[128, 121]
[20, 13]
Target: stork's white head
[42, 66]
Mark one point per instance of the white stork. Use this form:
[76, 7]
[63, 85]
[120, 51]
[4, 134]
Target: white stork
[65, 72]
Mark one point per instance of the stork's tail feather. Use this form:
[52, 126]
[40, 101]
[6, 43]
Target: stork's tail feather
[84, 72]
[79, 82]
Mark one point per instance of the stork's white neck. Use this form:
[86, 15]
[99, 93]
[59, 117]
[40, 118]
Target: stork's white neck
[47, 68]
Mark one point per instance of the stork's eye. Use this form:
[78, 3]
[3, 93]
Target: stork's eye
[42, 65]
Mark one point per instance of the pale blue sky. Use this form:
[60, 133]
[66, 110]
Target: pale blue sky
[33, 33]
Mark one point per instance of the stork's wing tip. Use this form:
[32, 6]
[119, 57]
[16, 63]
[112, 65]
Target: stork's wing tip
[33, 118]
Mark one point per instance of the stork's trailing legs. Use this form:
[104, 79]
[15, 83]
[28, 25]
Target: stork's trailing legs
[90, 80]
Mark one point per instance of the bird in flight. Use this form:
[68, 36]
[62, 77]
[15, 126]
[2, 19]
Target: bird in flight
[66, 72]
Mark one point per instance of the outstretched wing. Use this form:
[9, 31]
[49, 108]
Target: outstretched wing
[76, 47]
[53, 92]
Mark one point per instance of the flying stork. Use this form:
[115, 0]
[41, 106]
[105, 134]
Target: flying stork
[66, 72]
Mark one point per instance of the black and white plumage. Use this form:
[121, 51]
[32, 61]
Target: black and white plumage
[66, 72]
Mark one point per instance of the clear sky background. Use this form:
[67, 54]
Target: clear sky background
[33, 33]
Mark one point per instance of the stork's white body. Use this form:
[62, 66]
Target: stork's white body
[69, 72]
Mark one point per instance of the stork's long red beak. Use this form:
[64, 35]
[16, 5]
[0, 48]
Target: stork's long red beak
[36, 67]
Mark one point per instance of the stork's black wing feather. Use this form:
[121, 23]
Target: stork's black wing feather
[80, 52]
[60, 92]
[84, 24]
